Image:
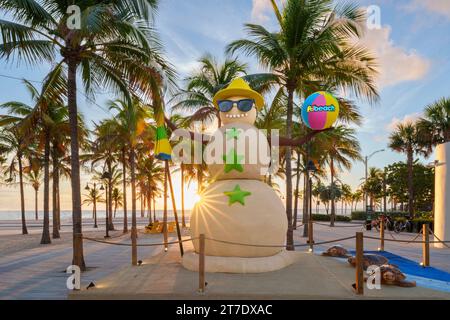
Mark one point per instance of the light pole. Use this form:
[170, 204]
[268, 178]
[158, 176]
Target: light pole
[366, 159]
[310, 169]
[94, 199]
[105, 176]
[106, 201]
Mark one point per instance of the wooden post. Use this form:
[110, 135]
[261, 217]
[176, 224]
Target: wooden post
[174, 207]
[359, 263]
[201, 265]
[165, 231]
[425, 246]
[382, 234]
[78, 250]
[133, 246]
[310, 234]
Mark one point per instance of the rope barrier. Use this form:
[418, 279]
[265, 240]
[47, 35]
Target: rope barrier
[405, 241]
[440, 241]
[215, 240]
[278, 246]
[139, 245]
[418, 235]
[327, 225]
[113, 237]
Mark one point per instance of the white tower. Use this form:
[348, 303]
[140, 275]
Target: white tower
[442, 194]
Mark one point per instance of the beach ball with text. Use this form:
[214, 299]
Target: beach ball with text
[320, 110]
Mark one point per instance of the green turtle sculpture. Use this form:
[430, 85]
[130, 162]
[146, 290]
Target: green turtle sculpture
[391, 275]
[336, 251]
[369, 260]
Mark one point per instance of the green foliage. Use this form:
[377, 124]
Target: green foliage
[326, 217]
[423, 180]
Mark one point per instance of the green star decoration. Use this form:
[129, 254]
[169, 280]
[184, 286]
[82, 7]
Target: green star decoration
[232, 161]
[232, 133]
[237, 195]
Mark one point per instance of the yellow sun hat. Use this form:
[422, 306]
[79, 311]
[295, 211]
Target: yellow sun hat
[238, 87]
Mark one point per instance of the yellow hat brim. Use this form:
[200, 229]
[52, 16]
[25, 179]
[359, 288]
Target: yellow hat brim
[230, 92]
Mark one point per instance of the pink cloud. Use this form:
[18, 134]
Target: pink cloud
[396, 64]
[441, 7]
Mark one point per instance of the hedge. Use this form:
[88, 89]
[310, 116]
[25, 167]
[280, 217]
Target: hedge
[361, 215]
[416, 223]
[326, 217]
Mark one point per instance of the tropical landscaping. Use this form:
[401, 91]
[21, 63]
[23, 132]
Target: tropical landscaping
[117, 49]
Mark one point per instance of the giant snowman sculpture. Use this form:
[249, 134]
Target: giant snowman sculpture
[237, 207]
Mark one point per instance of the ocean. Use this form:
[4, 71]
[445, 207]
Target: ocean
[87, 214]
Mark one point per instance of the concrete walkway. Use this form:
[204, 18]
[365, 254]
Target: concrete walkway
[38, 271]
[312, 277]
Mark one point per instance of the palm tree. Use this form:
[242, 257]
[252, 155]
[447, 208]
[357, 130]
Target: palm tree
[356, 198]
[341, 147]
[405, 139]
[434, 126]
[117, 198]
[12, 142]
[92, 198]
[314, 45]
[203, 84]
[34, 177]
[130, 124]
[347, 197]
[114, 47]
[151, 173]
[373, 186]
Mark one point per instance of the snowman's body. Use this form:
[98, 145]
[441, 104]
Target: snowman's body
[237, 206]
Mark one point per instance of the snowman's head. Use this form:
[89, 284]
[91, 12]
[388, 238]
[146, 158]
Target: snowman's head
[237, 109]
[238, 103]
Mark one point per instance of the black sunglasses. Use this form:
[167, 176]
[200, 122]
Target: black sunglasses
[243, 105]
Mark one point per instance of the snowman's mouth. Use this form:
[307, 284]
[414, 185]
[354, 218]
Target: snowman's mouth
[233, 116]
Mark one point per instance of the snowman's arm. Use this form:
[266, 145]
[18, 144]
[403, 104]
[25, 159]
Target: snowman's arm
[193, 135]
[284, 142]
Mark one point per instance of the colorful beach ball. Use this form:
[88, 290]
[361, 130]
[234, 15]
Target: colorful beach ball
[320, 110]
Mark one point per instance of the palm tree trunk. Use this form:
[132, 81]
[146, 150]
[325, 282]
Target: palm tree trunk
[58, 204]
[55, 233]
[36, 191]
[333, 207]
[149, 201]
[410, 183]
[124, 187]
[154, 208]
[78, 258]
[106, 205]
[305, 206]
[133, 190]
[46, 225]
[183, 220]
[141, 198]
[95, 213]
[297, 183]
[110, 200]
[290, 109]
[22, 197]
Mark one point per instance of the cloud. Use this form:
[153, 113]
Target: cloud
[396, 64]
[441, 7]
[409, 118]
[262, 10]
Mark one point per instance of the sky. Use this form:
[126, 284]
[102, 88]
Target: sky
[412, 46]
